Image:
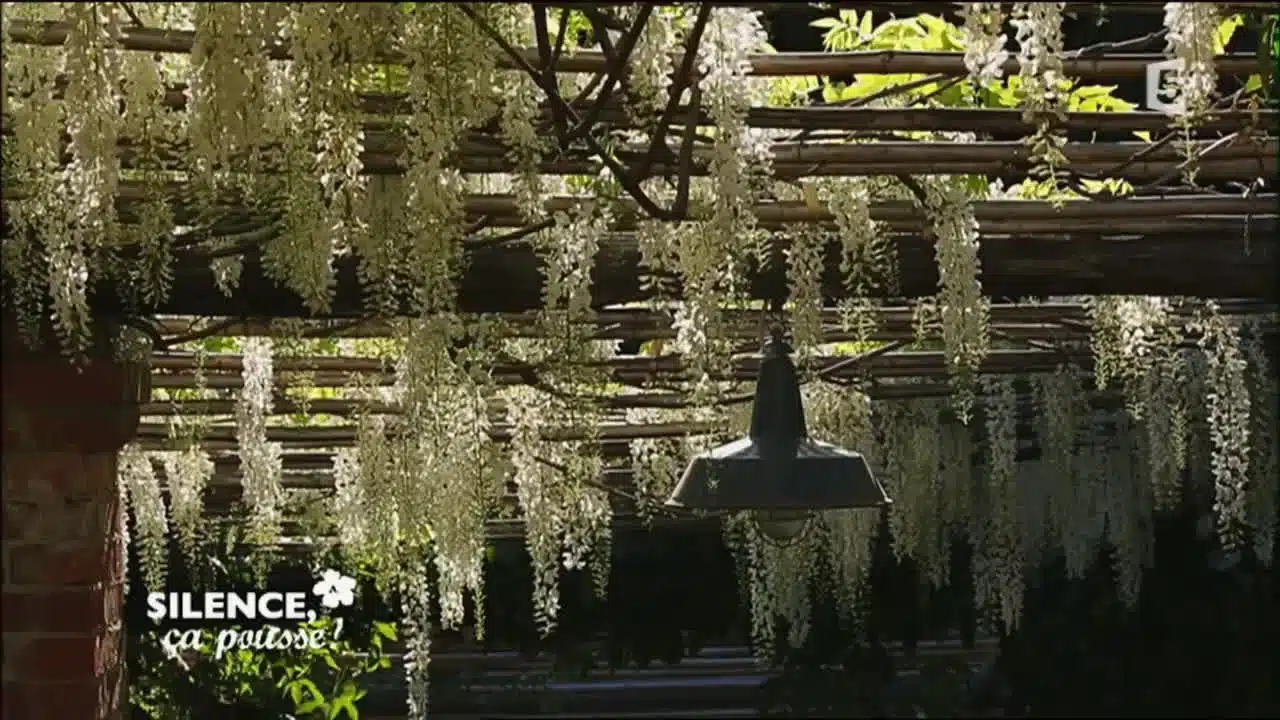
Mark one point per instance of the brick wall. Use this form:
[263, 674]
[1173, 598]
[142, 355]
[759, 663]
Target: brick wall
[63, 551]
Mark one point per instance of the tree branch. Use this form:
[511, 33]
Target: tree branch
[620, 173]
[682, 78]
[548, 69]
[617, 64]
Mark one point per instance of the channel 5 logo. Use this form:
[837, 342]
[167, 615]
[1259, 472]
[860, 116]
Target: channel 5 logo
[1162, 87]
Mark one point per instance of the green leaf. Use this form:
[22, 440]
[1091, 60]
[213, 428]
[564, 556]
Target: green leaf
[309, 707]
[317, 697]
[385, 629]
[938, 33]
[898, 35]
[1089, 91]
[1226, 30]
[826, 23]
[1143, 135]
[866, 26]
[841, 38]
[345, 700]
[977, 184]
[1120, 104]
[932, 23]
[864, 85]
[1253, 83]
[343, 704]
[1097, 98]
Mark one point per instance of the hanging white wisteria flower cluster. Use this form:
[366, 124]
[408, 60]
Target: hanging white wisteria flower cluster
[984, 41]
[1040, 39]
[867, 260]
[963, 311]
[1091, 487]
[260, 460]
[1192, 30]
[293, 139]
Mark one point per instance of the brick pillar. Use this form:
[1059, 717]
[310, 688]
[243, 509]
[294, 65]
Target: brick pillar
[63, 550]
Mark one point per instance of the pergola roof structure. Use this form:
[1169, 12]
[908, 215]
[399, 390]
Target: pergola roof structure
[1029, 248]
[528, 251]
[1165, 240]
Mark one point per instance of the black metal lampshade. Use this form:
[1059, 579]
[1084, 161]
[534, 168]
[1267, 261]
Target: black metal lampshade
[777, 467]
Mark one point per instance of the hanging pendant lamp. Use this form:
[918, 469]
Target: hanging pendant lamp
[777, 472]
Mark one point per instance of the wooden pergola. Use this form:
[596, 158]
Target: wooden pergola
[1216, 241]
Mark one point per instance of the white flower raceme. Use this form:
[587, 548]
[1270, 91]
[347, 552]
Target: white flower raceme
[866, 251]
[1229, 423]
[651, 66]
[1040, 45]
[260, 461]
[519, 125]
[451, 86]
[87, 185]
[146, 503]
[984, 41]
[999, 555]
[739, 163]
[1192, 30]
[1133, 337]
[187, 473]
[348, 498]
[655, 462]
[805, 268]
[963, 310]
[415, 600]
[1044, 87]
[1264, 479]
[536, 492]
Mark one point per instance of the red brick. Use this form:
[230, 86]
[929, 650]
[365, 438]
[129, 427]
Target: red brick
[96, 700]
[51, 404]
[22, 518]
[63, 554]
[64, 659]
[63, 611]
[64, 566]
[40, 476]
[59, 520]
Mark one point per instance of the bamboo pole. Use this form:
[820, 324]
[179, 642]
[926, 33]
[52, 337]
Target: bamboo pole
[899, 364]
[1039, 321]
[170, 40]
[1230, 258]
[995, 215]
[1005, 160]
[993, 121]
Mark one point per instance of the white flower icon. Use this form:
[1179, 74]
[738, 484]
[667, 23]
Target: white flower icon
[335, 589]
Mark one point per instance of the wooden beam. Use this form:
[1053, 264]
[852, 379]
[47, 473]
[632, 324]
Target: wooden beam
[1234, 263]
[993, 121]
[170, 40]
[383, 155]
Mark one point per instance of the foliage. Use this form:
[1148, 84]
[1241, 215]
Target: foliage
[1198, 642]
[324, 174]
[325, 683]
[927, 32]
[312, 684]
